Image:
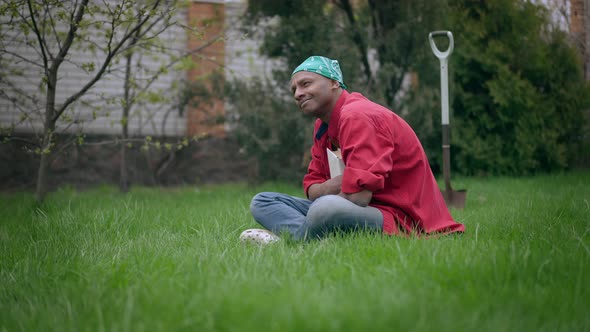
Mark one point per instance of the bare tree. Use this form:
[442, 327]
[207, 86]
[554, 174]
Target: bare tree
[51, 29]
[138, 86]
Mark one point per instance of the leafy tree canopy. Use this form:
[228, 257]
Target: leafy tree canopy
[520, 91]
[516, 84]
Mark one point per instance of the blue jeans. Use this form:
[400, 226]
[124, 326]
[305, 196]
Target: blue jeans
[304, 219]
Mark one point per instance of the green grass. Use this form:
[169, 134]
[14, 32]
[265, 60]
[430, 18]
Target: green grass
[169, 260]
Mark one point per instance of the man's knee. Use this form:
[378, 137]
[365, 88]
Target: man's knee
[260, 200]
[325, 208]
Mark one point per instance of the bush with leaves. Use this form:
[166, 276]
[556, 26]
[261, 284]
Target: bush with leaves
[516, 86]
[375, 50]
[270, 129]
[520, 91]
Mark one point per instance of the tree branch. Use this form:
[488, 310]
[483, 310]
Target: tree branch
[18, 91]
[39, 39]
[52, 24]
[18, 56]
[20, 139]
[357, 38]
[63, 51]
[112, 52]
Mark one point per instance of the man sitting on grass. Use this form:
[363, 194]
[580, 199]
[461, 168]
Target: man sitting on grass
[386, 185]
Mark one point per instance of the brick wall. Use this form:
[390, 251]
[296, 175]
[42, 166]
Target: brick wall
[207, 19]
[578, 30]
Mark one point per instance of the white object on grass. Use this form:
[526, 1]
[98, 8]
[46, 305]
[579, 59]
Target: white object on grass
[258, 236]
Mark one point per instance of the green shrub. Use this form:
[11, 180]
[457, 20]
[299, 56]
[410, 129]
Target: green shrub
[520, 91]
[270, 129]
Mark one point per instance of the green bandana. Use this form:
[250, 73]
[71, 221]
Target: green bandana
[323, 66]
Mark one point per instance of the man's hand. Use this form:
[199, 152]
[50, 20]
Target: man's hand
[330, 187]
[334, 187]
[361, 198]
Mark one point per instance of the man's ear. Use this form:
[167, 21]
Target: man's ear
[335, 84]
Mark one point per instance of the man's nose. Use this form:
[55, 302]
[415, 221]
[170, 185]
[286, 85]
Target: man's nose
[298, 93]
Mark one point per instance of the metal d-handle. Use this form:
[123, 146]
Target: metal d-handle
[444, 76]
[437, 52]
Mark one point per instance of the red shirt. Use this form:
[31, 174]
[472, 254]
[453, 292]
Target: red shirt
[382, 154]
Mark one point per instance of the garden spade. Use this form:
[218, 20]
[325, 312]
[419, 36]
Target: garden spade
[453, 198]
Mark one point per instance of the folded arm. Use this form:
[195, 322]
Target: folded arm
[334, 187]
[361, 198]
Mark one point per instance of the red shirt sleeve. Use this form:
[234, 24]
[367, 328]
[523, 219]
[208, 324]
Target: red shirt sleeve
[367, 149]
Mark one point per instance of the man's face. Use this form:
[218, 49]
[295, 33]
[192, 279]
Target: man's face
[314, 93]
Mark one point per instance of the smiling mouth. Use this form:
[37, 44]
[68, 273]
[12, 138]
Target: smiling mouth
[303, 102]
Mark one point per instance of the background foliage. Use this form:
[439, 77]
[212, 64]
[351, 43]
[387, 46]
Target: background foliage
[516, 85]
[520, 90]
[270, 130]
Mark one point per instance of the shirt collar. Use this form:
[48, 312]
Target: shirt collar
[335, 116]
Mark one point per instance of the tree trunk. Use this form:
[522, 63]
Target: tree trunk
[47, 143]
[128, 102]
[41, 189]
[358, 40]
[124, 177]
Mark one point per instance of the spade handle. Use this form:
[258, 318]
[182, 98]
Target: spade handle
[444, 75]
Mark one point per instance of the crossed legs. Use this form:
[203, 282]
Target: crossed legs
[304, 219]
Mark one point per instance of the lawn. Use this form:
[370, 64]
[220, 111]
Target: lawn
[169, 260]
